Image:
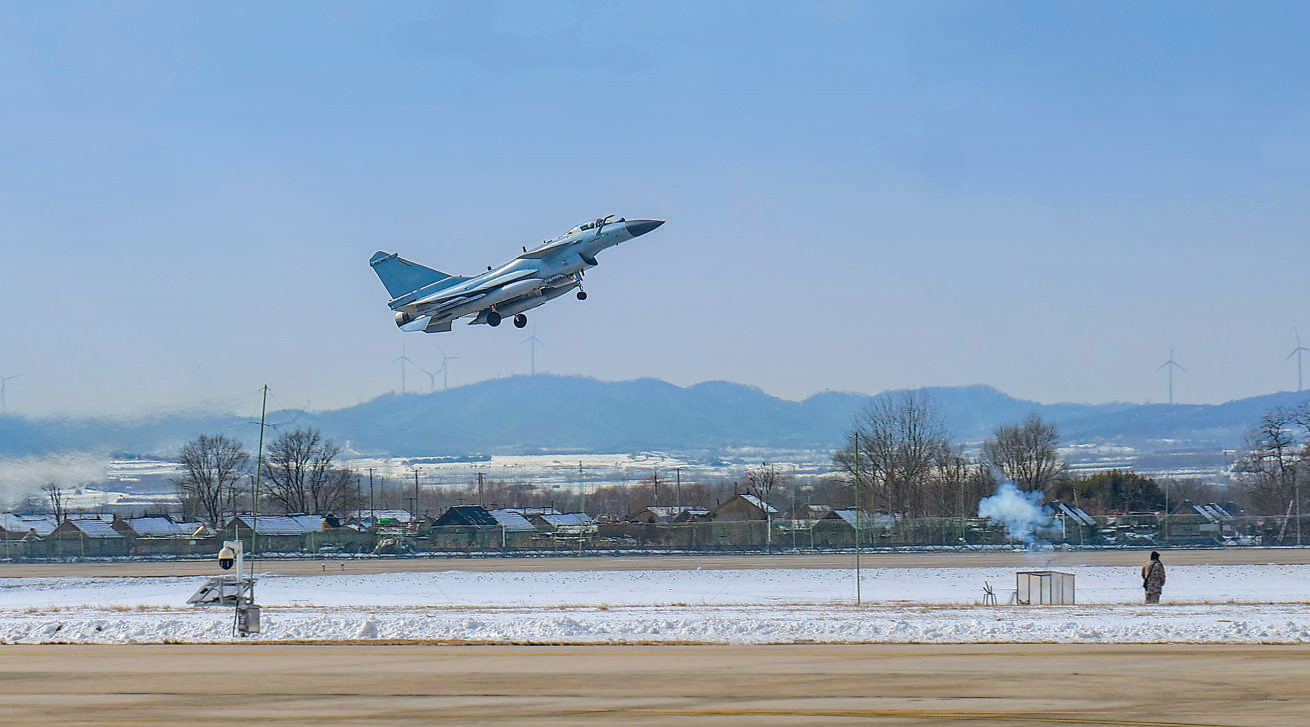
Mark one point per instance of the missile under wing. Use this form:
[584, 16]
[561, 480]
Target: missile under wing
[429, 300]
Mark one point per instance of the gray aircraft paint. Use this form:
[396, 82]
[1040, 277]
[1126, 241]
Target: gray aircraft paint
[429, 300]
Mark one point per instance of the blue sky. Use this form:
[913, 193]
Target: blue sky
[1042, 197]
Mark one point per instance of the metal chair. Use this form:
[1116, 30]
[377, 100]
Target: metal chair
[989, 596]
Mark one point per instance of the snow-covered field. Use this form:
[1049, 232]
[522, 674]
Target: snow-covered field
[1202, 604]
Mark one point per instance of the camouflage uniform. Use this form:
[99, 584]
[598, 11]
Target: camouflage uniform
[1153, 580]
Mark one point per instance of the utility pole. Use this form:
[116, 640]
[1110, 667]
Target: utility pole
[413, 501]
[479, 489]
[809, 514]
[857, 518]
[1165, 530]
[259, 468]
[582, 488]
[372, 512]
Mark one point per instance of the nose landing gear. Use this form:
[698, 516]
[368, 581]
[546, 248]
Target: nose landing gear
[520, 320]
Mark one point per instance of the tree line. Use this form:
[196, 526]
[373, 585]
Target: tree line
[299, 475]
[1275, 465]
[898, 457]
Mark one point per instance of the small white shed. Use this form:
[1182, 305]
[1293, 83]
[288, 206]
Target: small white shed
[1044, 587]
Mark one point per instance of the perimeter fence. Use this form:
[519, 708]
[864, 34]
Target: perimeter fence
[709, 536]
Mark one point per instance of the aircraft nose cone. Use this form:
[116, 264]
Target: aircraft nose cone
[641, 227]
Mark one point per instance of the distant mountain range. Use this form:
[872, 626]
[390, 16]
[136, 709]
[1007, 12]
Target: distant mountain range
[544, 413]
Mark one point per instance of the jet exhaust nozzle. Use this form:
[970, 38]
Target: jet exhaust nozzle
[402, 318]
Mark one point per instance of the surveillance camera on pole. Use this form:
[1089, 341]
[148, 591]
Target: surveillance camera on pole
[227, 557]
[237, 589]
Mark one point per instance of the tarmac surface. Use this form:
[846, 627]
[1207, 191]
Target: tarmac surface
[655, 685]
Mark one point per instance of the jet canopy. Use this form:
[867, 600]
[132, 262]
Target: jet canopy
[598, 222]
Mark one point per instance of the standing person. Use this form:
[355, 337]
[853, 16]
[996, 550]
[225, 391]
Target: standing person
[1153, 578]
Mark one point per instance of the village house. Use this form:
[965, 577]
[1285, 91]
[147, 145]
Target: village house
[375, 517]
[275, 533]
[744, 507]
[574, 524]
[512, 520]
[466, 515]
[17, 527]
[160, 535]
[1199, 523]
[665, 514]
[91, 536]
[1074, 524]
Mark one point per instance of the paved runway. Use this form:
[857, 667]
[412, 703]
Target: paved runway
[654, 685]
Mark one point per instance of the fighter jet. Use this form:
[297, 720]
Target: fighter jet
[429, 300]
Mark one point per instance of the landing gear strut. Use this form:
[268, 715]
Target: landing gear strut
[520, 320]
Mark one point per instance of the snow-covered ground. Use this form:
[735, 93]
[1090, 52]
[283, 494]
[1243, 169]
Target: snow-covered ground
[1202, 604]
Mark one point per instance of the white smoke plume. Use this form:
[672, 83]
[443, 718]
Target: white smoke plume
[24, 476]
[1020, 512]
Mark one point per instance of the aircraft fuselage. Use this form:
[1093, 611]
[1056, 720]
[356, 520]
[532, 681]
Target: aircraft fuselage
[429, 300]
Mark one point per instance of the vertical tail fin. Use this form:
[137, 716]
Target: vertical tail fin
[400, 276]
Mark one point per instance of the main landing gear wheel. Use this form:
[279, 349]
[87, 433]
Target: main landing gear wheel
[493, 319]
[520, 320]
[582, 295]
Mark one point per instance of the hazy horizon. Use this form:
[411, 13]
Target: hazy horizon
[252, 410]
[1040, 198]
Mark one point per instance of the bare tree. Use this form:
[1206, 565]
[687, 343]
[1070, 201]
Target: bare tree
[1026, 453]
[213, 469]
[55, 495]
[300, 477]
[902, 440]
[957, 484]
[761, 481]
[1276, 458]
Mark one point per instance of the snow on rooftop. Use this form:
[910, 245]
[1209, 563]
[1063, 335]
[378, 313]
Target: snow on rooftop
[757, 502]
[42, 524]
[512, 520]
[95, 528]
[284, 524]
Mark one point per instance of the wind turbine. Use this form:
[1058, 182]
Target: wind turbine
[533, 341]
[432, 379]
[4, 406]
[445, 368]
[403, 359]
[1171, 364]
[1297, 352]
